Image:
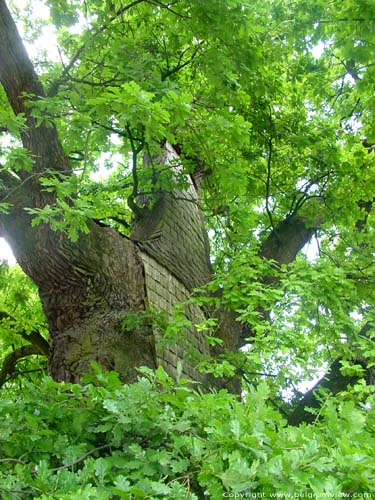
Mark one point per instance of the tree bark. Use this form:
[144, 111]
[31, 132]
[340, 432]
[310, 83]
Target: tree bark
[287, 239]
[22, 87]
[86, 288]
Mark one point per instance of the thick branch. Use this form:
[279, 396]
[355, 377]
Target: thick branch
[366, 207]
[281, 246]
[288, 238]
[11, 360]
[135, 152]
[17, 74]
[268, 182]
[333, 382]
[22, 86]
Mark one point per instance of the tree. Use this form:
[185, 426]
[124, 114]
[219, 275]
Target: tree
[242, 130]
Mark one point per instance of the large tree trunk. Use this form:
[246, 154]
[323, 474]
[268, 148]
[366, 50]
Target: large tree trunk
[87, 289]
[87, 311]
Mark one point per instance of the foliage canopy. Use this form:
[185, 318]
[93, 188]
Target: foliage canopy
[270, 106]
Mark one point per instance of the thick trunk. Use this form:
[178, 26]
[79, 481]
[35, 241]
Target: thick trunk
[87, 319]
[87, 291]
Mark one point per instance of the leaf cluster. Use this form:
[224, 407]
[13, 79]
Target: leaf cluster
[155, 439]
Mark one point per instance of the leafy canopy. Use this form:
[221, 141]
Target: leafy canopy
[274, 100]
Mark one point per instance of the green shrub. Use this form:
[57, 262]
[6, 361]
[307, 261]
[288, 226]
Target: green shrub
[157, 439]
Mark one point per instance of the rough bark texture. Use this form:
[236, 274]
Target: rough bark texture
[173, 231]
[175, 253]
[288, 238]
[22, 87]
[87, 289]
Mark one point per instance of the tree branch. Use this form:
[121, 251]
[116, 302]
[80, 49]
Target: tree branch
[268, 184]
[135, 152]
[8, 183]
[167, 7]
[65, 73]
[287, 239]
[180, 65]
[333, 382]
[22, 87]
[81, 458]
[282, 246]
[11, 360]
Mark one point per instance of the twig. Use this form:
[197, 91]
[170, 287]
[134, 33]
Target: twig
[180, 65]
[85, 155]
[167, 7]
[135, 151]
[65, 74]
[85, 455]
[15, 460]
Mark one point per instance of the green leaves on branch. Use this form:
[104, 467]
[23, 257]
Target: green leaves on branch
[19, 159]
[73, 210]
[148, 116]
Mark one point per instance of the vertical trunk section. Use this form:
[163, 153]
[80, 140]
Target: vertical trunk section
[175, 252]
[87, 289]
[87, 321]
